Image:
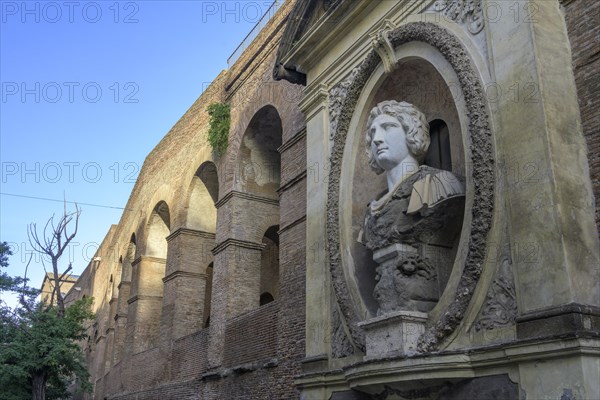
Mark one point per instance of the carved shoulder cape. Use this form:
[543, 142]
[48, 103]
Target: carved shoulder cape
[417, 206]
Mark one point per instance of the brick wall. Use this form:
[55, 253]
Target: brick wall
[252, 336]
[189, 356]
[583, 25]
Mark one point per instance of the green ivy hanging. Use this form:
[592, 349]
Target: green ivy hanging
[219, 127]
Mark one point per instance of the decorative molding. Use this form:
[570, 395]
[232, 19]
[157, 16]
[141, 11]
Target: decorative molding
[245, 244]
[292, 224]
[298, 136]
[467, 12]
[500, 308]
[286, 186]
[148, 258]
[480, 142]
[340, 344]
[183, 274]
[120, 316]
[143, 297]
[555, 311]
[246, 196]
[123, 283]
[381, 44]
[314, 100]
[190, 232]
[337, 95]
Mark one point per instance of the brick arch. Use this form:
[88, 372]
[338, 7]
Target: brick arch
[157, 229]
[258, 158]
[181, 193]
[281, 95]
[165, 194]
[198, 211]
[128, 256]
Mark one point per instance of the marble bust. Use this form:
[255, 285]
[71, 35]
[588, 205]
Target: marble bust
[420, 203]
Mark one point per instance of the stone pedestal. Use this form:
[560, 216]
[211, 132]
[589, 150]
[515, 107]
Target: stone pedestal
[394, 333]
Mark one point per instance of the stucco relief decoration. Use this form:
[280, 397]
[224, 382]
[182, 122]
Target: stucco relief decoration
[500, 308]
[382, 45]
[419, 202]
[468, 12]
[337, 94]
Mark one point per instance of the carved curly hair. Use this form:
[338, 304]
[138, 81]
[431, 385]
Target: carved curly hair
[413, 122]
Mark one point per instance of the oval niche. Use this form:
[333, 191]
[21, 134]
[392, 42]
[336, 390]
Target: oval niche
[434, 74]
[415, 81]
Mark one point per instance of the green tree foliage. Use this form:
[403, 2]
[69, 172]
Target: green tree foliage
[39, 352]
[218, 134]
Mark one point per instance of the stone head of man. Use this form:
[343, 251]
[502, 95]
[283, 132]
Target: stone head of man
[397, 132]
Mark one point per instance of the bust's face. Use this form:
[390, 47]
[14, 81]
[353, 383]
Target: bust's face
[388, 143]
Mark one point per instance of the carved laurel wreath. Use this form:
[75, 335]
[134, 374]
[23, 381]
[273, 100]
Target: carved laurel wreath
[479, 138]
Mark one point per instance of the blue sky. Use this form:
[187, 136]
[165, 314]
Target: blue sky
[88, 89]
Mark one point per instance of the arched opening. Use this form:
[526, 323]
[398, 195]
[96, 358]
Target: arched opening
[260, 159]
[269, 266]
[158, 229]
[128, 260]
[439, 154]
[266, 298]
[208, 295]
[124, 289]
[202, 213]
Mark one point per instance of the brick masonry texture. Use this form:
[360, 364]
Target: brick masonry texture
[583, 25]
[167, 352]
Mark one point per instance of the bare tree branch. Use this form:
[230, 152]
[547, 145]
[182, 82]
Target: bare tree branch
[55, 243]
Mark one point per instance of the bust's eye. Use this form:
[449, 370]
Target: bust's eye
[388, 125]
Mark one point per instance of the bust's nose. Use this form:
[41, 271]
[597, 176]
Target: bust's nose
[378, 136]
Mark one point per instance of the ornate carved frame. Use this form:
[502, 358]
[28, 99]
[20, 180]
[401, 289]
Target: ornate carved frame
[480, 142]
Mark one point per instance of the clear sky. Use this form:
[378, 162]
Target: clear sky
[88, 89]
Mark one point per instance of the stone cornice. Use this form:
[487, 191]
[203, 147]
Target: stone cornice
[190, 232]
[246, 196]
[185, 274]
[245, 244]
[301, 134]
[315, 99]
[148, 258]
[99, 338]
[120, 316]
[124, 283]
[572, 308]
[292, 224]
[286, 186]
[142, 297]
